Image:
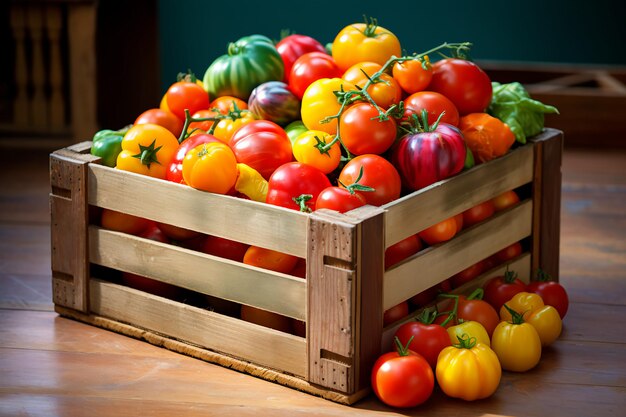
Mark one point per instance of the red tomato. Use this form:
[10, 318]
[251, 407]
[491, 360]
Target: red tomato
[500, 289]
[413, 75]
[464, 83]
[459, 222]
[177, 233]
[122, 222]
[203, 126]
[480, 311]
[162, 118]
[269, 259]
[508, 253]
[224, 248]
[266, 318]
[262, 145]
[428, 339]
[310, 67]
[551, 292]
[338, 199]
[153, 232]
[292, 47]
[186, 95]
[402, 379]
[428, 295]
[395, 313]
[440, 232]
[434, 103]
[505, 200]
[378, 173]
[402, 250]
[294, 180]
[363, 133]
[478, 213]
[175, 169]
[467, 274]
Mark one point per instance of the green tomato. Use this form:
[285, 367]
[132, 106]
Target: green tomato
[107, 148]
[250, 61]
[294, 129]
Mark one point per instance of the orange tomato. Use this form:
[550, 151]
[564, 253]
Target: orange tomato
[122, 222]
[505, 200]
[270, 259]
[204, 126]
[163, 118]
[385, 93]
[226, 127]
[478, 213]
[413, 75]
[211, 167]
[486, 136]
[440, 232]
[224, 104]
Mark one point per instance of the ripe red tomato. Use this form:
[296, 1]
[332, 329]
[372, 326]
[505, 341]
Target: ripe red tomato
[292, 47]
[294, 180]
[480, 311]
[378, 173]
[339, 199]
[224, 248]
[467, 274]
[478, 213]
[551, 292]
[310, 67]
[464, 83]
[428, 339]
[402, 250]
[262, 145]
[363, 133]
[402, 378]
[269, 259]
[186, 95]
[428, 295]
[434, 103]
[440, 232]
[500, 289]
[162, 118]
[395, 313]
[505, 200]
[508, 253]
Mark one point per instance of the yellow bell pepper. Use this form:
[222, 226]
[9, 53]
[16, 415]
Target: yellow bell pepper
[545, 319]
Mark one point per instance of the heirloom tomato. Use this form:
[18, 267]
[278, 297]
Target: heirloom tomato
[319, 102]
[186, 95]
[226, 127]
[311, 67]
[147, 149]
[413, 75]
[478, 213]
[361, 42]
[469, 370]
[501, 289]
[296, 186]
[376, 172]
[293, 46]
[428, 339]
[175, 168]
[262, 145]
[362, 132]
[544, 318]
[552, 293]
[310, 148]
[384, 90]
[225, 104]
[269, 259]
[249, 62]
[402, 250]
[339, 199]
[210, 167]
[517, 345]
[162, 118]
[464, 83]
[275, 102]
[486, 136]
[435, 104]
[402, 378]
[469, 328]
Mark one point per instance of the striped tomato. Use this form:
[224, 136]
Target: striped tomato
[250, 61]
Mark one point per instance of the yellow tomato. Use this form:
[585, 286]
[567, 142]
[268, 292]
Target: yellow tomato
[306, 150]
[471, 329]
[545, 319]
[319, 102]
[147, 149]
[517, 345]
[211, 167]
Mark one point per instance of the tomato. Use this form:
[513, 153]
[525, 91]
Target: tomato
[203, 126]
[225, 128]
[269, 259]
[413, 75]
[435, 104]
[296, 186]
[175, 168]
[478, 213]
[486, 136]
[273, 101]
[505, 200]
[552, 293]
[544, 318]
[339, 199]
[266, 318]
[402, 250]
[249, 62]
[122, 222]
[162, 118]
[307, 149]
[428, 295]
[508, 253]
[385, 91]
[361, 42]
[294, 129]
[224, 248]
[517, 345]
[479, 311]
[177, 233]
[186, 95]
[428, 339]
[469, 370]
[294, 46]
[148, 150]
[464, 83]
[311, 67]
[225, 104]
[470, 328]
[402, 378]
[210, 167]
[468, 274]
[262, 145]
[395, 313]
[319, 101]
[459, 222]
[500, 289]
[363, 133]
[377, 173]
[440, 232]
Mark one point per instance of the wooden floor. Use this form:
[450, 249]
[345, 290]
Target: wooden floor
[52, 366]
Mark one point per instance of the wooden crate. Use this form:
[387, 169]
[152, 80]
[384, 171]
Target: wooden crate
[346, 290]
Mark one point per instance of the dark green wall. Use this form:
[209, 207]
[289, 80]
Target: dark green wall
[194, 32]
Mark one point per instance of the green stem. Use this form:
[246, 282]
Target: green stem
[403, 350]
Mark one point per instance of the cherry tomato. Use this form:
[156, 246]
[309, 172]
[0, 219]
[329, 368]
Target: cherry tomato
[402, 250]
[395, 313]
[162, 118]
[435, 104]
[363, 133]
[385, 92]
[440, 232]
[500, 289]
[377, 173]
[339, 199]
[464, 83]
[306, 149]
[428, 339]
[505, 200]
[478, 213]
[311, 67]
[413, 75]
[186, 95]
[269, 259]
[224, 248]
[295, 180]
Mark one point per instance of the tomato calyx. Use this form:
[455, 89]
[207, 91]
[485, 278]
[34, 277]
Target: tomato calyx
[414, 125]
[403, 350]
[465, 342]
[352, 188]
[509, 276]
[542, 276]
[188, 76]
[516, 318]
[301, 201]
[148, 154]
[427, 316]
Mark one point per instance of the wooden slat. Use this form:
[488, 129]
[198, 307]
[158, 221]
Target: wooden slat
[224, 334]
[442, 200]
[246, 221]
[235, 281]
[433, 265]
